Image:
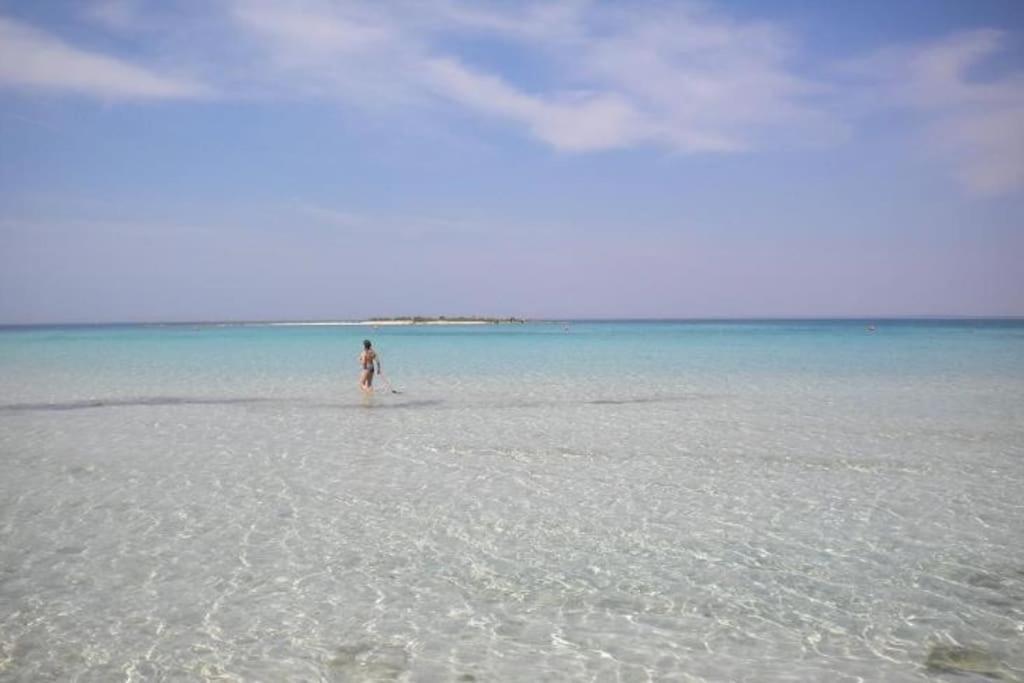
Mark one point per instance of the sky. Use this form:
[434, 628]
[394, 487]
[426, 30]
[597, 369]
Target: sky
[201, 160]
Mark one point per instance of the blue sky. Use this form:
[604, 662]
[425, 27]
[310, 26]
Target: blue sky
[315, 160]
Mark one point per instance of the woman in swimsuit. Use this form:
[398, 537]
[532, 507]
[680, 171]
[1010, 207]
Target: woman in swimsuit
[367, 359]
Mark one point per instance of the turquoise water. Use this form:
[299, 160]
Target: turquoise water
[802, 500]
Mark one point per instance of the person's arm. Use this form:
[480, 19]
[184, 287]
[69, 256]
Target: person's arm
[376, 357]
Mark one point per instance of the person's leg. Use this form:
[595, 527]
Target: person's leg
[364, 381]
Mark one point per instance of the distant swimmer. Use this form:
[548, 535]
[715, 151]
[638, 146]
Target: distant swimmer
[871, 328]
[367, 359]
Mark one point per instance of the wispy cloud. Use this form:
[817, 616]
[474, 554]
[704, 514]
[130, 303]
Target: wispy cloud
[691, 79]
[680, 78]
[573, 75]
[32, 59]
[577, 122]
[117, 15]
[384, 226]
[974, 123]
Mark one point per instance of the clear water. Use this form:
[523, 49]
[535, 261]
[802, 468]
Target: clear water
[623, 501]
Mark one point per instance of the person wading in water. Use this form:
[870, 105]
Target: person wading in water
[367, 359]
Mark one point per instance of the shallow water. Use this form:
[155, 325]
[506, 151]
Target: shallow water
[622, 501]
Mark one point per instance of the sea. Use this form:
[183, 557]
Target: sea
[802, 500]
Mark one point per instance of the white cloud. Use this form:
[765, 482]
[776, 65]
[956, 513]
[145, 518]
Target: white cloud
[704, 83]
[577, 123]
[975, 124]
[32, 59]
[309, 35]
[352, 53]
[677, 78]
[575, 75]
[117, 15]
[559, 21]
[986, 147]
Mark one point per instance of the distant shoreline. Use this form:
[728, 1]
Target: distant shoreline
[1016, 319]
[373, 323]
[416, 320]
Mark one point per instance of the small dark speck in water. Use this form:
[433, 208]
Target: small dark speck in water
[648, 399]
[346, 655]
[125, 402]
[958, 659]
[985, 581]
[71, 550]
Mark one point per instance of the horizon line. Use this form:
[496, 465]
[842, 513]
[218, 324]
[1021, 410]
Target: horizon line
[506, 320]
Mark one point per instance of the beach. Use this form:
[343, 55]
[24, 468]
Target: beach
[696, 501]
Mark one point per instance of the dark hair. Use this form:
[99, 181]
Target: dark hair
[366, 343]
